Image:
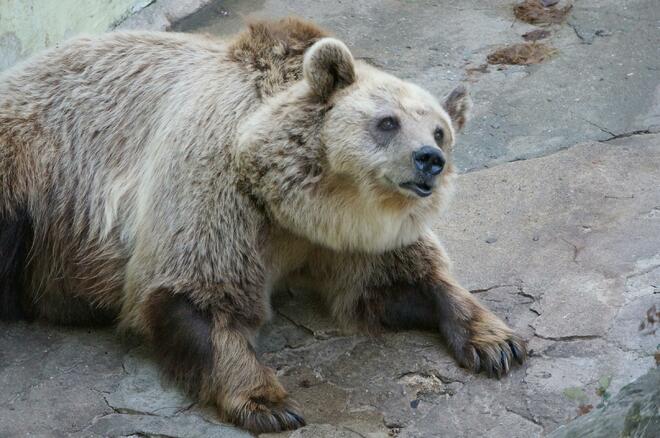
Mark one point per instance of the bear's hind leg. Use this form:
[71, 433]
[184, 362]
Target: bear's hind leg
[209, 352]
[15, 244]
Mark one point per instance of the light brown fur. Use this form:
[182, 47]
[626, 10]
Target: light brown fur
[173, 181]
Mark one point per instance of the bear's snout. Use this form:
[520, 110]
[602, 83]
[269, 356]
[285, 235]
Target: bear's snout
[428, 161]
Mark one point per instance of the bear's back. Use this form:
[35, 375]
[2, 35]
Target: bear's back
[96, 100]
[80, 126]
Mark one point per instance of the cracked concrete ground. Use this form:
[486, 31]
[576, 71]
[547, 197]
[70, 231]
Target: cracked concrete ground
[555, 226]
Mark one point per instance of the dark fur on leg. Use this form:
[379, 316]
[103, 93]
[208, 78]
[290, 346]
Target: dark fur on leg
[209, 353]
[15, 243]
[408, 306]
[181, 336]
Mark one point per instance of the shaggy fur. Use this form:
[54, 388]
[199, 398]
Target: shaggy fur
[173, 181]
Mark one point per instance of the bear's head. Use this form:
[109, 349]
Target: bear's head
[350, 157]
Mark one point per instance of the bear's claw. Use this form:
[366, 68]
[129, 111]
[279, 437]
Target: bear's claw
[263, 416]
[494, 358]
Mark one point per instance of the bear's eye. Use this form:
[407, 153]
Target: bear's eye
[439, 135]
[388, 124]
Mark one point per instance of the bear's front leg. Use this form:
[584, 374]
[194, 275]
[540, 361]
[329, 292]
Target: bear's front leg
[479, 340]
[412, 288]
[208, 350]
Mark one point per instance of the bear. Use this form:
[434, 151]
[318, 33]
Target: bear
[170, 183]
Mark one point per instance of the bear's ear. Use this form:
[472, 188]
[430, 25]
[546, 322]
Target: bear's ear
[458, 105]
[328, 66]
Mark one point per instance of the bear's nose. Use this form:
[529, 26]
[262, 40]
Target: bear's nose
[429, 160]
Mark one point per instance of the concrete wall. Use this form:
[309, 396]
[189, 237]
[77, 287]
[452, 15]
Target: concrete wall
[27, 26]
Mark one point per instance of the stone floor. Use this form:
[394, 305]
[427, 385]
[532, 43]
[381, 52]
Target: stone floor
[555, 226]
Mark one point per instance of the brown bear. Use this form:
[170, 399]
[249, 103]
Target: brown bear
[170, 182]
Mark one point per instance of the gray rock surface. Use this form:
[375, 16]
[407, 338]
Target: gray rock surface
[161, 14]
[602, 83]
[564, 246]
[634, 412]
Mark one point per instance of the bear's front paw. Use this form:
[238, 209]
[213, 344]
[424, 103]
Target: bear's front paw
[266, 410]
[491, 346]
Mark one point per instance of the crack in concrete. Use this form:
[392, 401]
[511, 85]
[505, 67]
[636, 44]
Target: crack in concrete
[185, 409]
[354, 431]
[497, 286]
[576, 249]
[134, 10]
[105, 400]
[605, 130]
[628, 134]
[518, 286]
[526, 295]
[619, 197]
[644, 271]
[300, 326]
[147, 435]
[529, 417]
[126, 411]
[114, 410]
[582, 39]
[612, 137]
[567, 338]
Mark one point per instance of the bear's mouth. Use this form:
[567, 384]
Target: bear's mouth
[420, 189]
